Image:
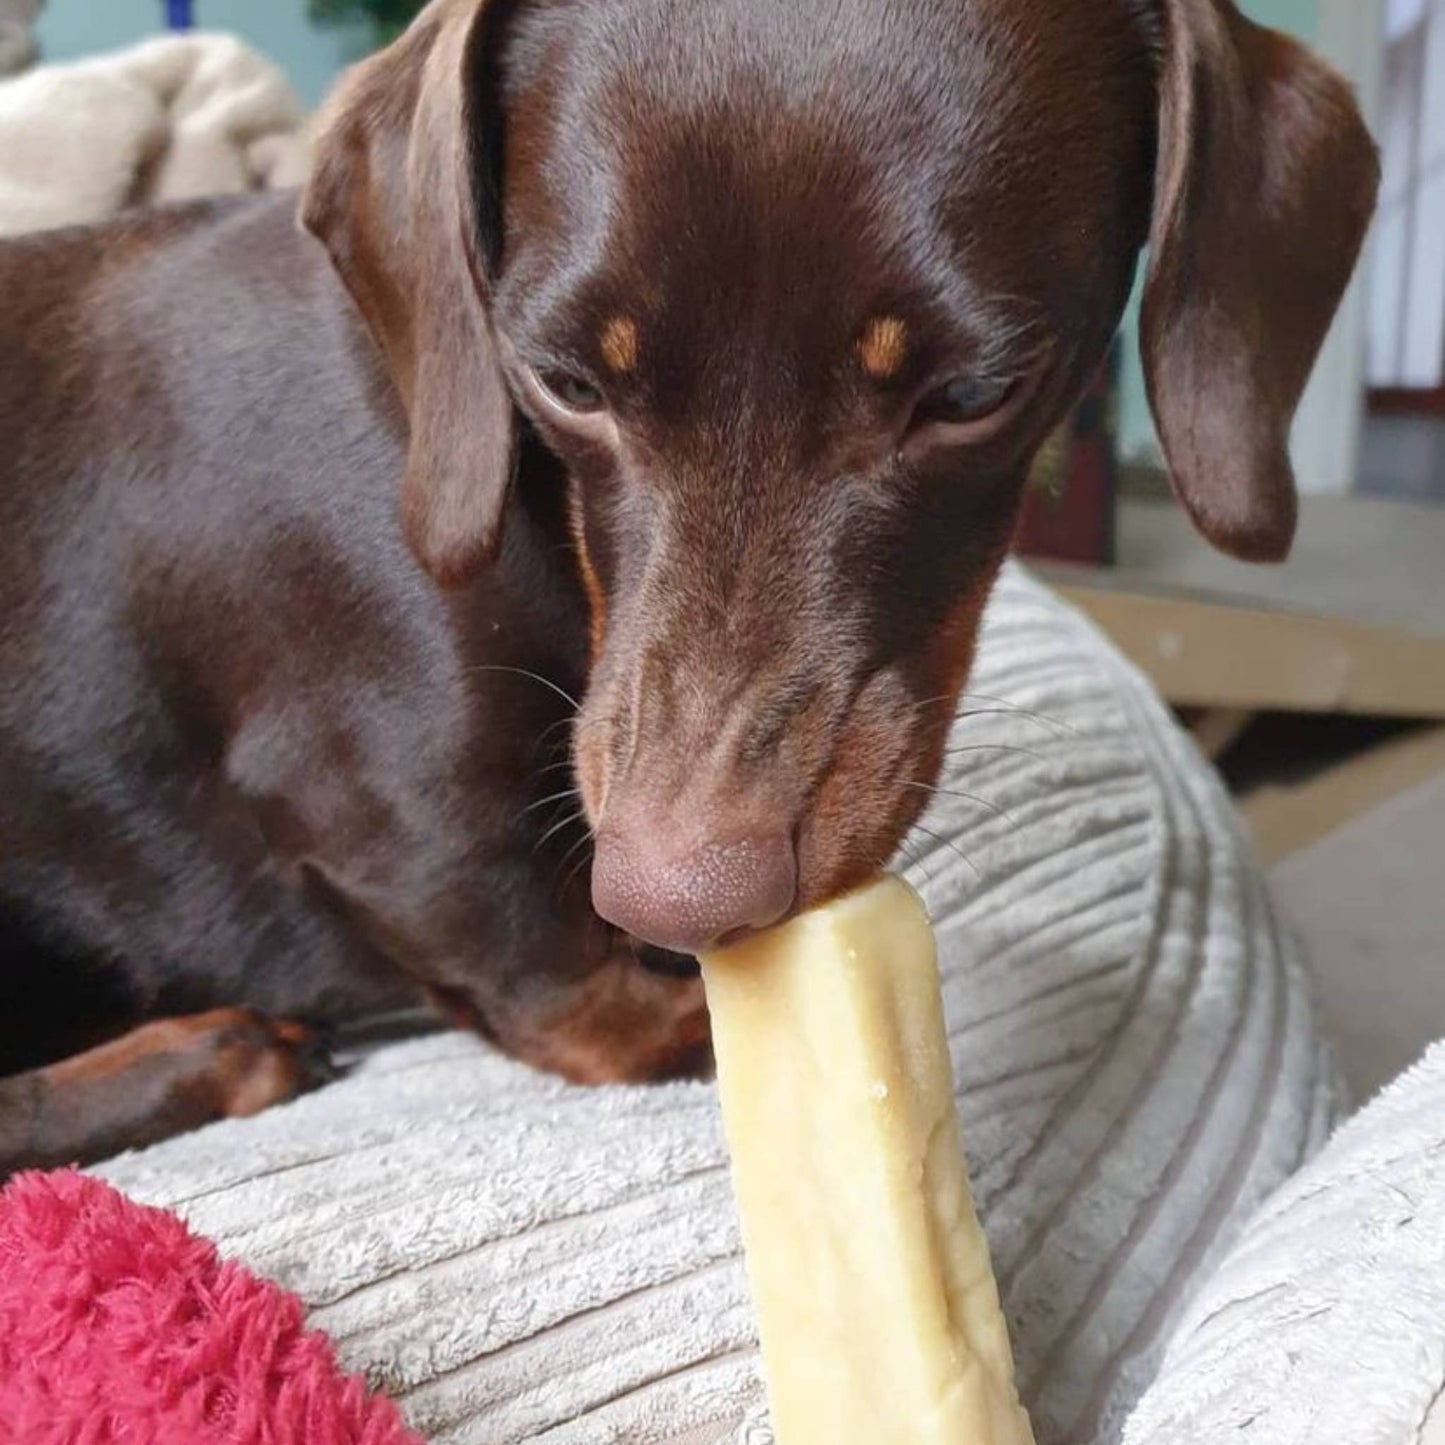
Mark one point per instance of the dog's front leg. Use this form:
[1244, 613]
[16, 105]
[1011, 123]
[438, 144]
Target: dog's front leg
[160, 1079]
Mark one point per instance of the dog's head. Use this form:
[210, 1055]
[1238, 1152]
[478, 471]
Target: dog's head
[796, 290]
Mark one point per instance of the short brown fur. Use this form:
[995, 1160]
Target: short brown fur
[313, 605]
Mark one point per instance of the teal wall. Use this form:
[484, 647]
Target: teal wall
[1296, 16]
[1137, 440]
[279, 29]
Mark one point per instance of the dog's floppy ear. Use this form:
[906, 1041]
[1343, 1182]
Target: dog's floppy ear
[395, 197]
[1264, 187]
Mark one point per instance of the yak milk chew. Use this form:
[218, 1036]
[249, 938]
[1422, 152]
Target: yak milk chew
[876, 1302]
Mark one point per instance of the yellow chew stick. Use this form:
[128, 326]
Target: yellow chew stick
[875, 1298]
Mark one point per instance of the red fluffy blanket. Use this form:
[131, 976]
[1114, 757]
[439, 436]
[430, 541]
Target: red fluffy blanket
[120, 1327]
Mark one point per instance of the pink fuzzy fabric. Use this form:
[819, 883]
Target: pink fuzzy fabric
[120, 1327]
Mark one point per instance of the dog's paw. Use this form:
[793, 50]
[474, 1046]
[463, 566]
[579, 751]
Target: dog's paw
[242, 1061]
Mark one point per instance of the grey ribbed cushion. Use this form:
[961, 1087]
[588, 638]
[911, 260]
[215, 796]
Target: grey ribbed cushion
[1137, 1065]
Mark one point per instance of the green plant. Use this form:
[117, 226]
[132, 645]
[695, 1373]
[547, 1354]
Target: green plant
[384, 19]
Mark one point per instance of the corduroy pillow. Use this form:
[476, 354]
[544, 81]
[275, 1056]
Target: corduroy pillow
[1137, 1061]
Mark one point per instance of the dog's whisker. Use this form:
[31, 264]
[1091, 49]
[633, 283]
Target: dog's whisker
[542, 742]
[575, 869]
[1019, 712]
[968, 797]
[535, 676]
[556, 828]
[995, 748]
[928, 702]
[553, 798]
[915, 858]
[578, 865]
[544, 745]
[1009, 705]
[949, 843]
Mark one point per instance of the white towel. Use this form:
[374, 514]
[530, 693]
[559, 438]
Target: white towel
[177, 117]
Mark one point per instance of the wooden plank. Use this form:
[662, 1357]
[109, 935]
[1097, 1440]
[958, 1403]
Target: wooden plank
[1217, 729]
[1364, 559]
[1285, 820]
[1203, 652]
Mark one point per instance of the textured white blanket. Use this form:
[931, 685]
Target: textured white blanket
[1137, 1066]
[177, 117]
[1326, 1326]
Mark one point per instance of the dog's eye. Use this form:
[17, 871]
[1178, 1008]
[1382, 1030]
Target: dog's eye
[570, 392]
[962, 400]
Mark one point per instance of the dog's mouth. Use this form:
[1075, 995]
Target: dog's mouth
[664, 962]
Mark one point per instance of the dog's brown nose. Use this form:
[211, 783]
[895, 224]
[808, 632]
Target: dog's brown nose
[688, 900]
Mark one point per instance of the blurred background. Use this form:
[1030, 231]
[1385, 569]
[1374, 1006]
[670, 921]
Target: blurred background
[1318, 686]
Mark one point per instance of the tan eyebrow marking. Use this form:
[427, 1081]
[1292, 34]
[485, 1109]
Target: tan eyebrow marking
[882, 346]
[619, 343]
